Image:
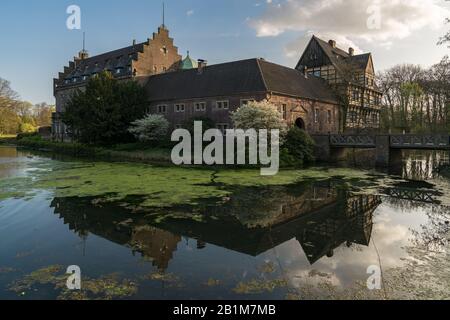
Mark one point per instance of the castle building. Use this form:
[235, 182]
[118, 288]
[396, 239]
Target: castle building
[351, 76]
[309, 96]
[136, 62]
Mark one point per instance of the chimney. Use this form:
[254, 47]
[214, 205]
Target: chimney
[134, 42]
[351, 51]
[201, 65]
[332, 43]
[305, 71]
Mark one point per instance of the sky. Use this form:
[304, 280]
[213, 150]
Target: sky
[35, 43]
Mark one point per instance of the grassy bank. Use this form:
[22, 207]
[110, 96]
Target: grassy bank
[132, 152]
[7, 139]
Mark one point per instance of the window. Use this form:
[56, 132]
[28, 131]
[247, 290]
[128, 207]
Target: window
[85, 78]
[375, 118]
[355, 95]
[284, 111]
[164, 50]
[162, 108]
[329, 116]
[223, 127]
[352, 116]
[244, 102]
[316, 116]
[317, 73]
[180, 107]
[118, 70]
[200, 106]
[164, 69]
[222, 105]
[155, 69]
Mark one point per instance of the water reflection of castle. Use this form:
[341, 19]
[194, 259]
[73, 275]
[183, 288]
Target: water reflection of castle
[321, 218]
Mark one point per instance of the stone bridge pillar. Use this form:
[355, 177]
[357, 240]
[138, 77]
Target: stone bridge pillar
[323, 147]
[325, 152]
[386, 156]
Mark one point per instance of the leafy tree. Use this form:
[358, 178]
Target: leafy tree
[27, 128]
[43, 114]
[103, 112]
[298, 147]
[258, 115]
[446, 37]
[152, 128]
[9, 120]
[416, 99]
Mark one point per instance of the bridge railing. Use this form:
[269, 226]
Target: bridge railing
[366, 141]
[420, 141]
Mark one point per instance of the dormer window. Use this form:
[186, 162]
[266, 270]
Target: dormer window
[85, 78]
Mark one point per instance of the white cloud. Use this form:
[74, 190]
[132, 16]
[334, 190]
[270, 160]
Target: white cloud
[190, 13]
[348, 19]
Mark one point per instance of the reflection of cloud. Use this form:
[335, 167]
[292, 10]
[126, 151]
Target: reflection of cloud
[391, 234]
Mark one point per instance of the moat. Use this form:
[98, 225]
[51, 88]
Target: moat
[146, 232]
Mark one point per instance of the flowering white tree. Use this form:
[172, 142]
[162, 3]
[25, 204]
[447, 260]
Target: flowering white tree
[150, 129]
[258, 115]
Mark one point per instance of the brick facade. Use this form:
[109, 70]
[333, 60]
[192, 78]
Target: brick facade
[316, 117]
[155, 56]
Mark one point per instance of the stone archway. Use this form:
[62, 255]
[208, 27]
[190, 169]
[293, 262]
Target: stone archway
[300, 123]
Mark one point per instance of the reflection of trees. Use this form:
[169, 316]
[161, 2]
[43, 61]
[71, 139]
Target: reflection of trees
[114, 223]
[422, 165]
[268, 206]
[436, 233]
[253, 220]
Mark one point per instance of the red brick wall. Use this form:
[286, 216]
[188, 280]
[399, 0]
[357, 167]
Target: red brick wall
[159, 52]
[296, 108]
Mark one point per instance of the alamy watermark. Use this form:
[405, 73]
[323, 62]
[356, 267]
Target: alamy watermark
[374, 281]
[231, 147]
[374, 19]
[74, 280]
[73, 22]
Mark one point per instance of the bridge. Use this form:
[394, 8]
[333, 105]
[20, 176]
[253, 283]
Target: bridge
[387, 147]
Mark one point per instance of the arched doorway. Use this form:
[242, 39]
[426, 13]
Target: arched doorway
[300, 123]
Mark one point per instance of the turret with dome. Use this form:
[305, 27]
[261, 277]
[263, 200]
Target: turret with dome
[188, 63]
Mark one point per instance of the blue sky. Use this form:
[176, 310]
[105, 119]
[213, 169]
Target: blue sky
[35, 43]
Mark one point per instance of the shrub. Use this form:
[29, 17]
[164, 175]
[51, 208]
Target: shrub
[259, 115]
[152, 128]
[298, 147]
[21, 136]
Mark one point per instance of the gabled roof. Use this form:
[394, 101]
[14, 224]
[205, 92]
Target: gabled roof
[339, 58]
[287, 81]
[238, 77]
